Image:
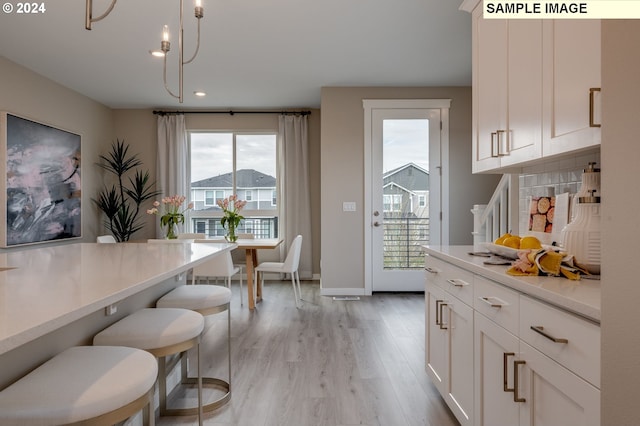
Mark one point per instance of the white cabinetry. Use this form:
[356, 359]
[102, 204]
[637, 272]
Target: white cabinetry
[449, 337]
[535, 89]
[530, 363]
[507, 91]
[572, 90]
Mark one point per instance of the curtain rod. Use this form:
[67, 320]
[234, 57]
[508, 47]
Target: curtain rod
[231, 112]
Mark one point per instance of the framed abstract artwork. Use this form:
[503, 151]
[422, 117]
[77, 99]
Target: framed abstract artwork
[40, 182]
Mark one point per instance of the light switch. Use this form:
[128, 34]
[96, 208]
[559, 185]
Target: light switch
[349, 206]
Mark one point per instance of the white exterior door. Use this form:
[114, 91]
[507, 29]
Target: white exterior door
[404, 188]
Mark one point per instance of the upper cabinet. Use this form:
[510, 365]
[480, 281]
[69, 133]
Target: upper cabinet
[535, 89]
[572, 90]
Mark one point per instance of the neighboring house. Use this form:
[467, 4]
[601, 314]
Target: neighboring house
[257, 188]
[406, 192]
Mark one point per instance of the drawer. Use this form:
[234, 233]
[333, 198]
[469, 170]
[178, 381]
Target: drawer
[435, 271]
[577, 341]
[457, 281]
[498, 303]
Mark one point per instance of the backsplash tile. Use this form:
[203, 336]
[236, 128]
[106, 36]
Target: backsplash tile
[551, 178]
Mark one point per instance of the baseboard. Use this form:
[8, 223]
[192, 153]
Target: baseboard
[341, 291]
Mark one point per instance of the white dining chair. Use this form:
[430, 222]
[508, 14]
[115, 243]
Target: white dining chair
[105, 239]
[289, 266]
[220, 266]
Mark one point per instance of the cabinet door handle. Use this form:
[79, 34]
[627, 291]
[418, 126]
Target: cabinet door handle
[502, 152]
[436, 311]
[458, 282]
[442, 325]
[491, 302]
[505, 375]
[540, 330]
[516, 380]
[592, 92]
[432, 270]
[494, 144]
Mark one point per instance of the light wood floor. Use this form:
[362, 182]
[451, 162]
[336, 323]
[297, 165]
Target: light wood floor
[330, 363]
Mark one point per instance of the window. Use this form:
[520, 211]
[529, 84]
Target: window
[208, 198]
[226, 163]
[422, 200]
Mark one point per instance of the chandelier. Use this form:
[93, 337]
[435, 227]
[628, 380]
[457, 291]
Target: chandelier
[165, 44]
[165, 47]
[88, 16]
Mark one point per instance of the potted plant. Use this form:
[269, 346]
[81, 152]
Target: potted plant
[121, 202]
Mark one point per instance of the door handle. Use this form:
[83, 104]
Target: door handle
[516, 380]
[442, 325]
[505, 363]
[376, 223]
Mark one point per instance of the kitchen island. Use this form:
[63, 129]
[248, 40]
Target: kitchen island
[58, 296]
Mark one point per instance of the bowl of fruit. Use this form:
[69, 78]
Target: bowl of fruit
[508, 245]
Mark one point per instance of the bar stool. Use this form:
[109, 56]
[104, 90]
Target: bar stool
[83, 385]
[206, 300]
[161, 332]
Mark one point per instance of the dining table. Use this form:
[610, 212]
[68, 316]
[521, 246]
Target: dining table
[251, 247]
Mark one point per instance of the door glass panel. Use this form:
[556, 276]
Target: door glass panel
[405, 192]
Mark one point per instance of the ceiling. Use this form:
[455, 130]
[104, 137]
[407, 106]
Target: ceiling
[264, 54]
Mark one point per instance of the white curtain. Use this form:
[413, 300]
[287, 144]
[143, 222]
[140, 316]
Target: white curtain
[294, 170]
[173, 165]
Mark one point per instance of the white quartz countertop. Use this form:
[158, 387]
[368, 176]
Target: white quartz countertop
[50, 287]
[581, 297]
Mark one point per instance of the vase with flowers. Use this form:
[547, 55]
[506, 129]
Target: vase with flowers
[173, 214]
[231, 217]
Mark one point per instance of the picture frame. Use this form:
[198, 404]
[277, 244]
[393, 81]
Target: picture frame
[40, 182]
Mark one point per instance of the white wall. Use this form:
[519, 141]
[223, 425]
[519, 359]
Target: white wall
[342, 171]
[620, 154]
[37, 98]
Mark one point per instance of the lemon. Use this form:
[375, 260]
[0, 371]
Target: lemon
[530, 242]
[513, 242]
[500, 240]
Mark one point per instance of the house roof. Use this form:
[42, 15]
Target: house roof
[410, 177]
[245, 178]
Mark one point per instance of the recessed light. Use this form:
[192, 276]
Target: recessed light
[157, 53]
[199, 93]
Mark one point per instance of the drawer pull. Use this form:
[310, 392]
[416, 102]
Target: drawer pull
[516, 397]
[494, 302]
[432, 270]
[540, 330]
[458, 282]
[505, 362]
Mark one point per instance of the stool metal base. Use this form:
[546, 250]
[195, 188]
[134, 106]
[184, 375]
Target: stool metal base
[207, 382]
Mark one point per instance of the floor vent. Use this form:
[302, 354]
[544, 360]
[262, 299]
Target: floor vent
[346, 297]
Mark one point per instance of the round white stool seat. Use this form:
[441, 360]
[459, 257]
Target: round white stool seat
[81, 384]
[155, 330]
[200, 298]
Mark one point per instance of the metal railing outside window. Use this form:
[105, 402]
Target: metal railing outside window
[403, 238]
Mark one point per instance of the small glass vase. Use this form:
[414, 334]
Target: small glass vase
[231, 233]
[171, 232]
